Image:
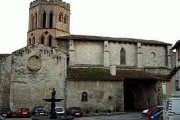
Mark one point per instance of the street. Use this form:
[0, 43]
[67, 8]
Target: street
[126, 116]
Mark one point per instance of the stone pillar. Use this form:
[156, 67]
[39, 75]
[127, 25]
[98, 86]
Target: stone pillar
[139, 56]
[106, 54]
[71, 53]
[168, 56]
[113, 70]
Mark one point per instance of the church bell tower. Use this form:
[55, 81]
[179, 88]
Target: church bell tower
[47, 20]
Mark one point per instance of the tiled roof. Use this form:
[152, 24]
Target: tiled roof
[177, 44]
[173, 72]
[101, 38]
[104, 74]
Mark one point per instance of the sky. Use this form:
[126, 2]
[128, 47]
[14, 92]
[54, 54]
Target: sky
[141, 19]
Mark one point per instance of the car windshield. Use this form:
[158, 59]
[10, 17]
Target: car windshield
[24, 109]
[41, 108]
[59, 109]
[76, 108]
[5, 109]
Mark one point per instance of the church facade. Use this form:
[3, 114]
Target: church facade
[92, 72]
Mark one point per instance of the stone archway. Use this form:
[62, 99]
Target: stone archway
[136, 93]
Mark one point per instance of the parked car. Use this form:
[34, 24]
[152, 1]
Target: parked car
[156, 115]
[6, 112]
[24, 112]
[74, 111]
[2, 118]
[144, 112]
[60, 110]
[153, 110]
[39, 110]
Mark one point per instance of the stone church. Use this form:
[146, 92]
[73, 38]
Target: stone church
[92, 72]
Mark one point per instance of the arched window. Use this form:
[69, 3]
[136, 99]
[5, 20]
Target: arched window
[33, 40]
[84, 97]
[60, 17]
[32, 22]
[51, 20]
[35, 20]
[65, 19]
[29, 41]
[42, 39]
[122, 57]
[50, 38]
[44, 20]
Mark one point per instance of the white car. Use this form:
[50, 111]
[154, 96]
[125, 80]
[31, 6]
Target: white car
[144, 112]
[60, 110]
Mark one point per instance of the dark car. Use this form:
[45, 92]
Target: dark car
[6, 112]
[74, 111]
[24, 112]
[2, 118]
[153, 110]
[156, 115]
[39, 110]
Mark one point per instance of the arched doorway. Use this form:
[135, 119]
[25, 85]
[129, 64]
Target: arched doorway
[134, 98]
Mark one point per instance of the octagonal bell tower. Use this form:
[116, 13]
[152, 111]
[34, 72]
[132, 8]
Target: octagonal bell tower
[48, 19]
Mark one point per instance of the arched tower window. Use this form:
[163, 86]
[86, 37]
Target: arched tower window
[60, 17]
[50, 38]
[29, 41]
[33, 40]
[122, 57]
[42, 39]
[35, 20]
[84, 97]
[32, 22]
[51, 20]
[65, 19]
[44, 20]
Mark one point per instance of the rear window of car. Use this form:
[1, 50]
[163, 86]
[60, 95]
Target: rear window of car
[24, 109]
[76, 108]
[59, 109]
[5, 109]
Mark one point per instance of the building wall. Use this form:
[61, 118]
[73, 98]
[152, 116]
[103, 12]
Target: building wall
[30, 86]
[5, 76]
[175, 77]
[130, 49]
[102, 95]
[154, 56]
[89, 53]
[93, 53]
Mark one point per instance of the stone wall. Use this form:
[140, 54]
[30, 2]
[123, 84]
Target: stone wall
[31, 85]
[89, 53]
[102, 95]
[5, 76]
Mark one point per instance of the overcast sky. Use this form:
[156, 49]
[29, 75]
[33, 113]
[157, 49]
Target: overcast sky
[144, 19]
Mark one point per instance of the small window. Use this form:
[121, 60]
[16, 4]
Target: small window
[51, 20]
[50, 40]
[65, 19]
[35, 20]
[122, 57]
[33, 42]
[60, 17]
[84, 97]
[44, 20]
[177, 85]
[29, 41]
[42, 39]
